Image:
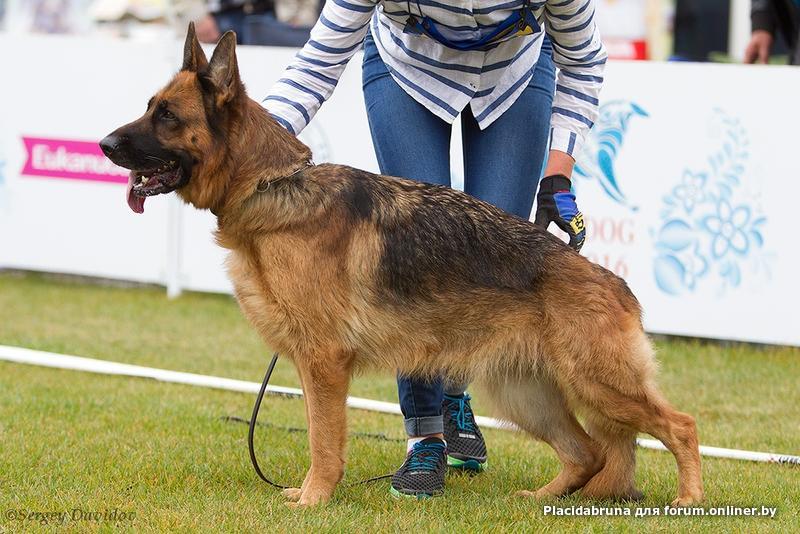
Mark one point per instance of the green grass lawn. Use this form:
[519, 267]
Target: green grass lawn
[71, 440]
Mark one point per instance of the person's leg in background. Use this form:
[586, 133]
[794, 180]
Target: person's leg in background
[410, 142]
[265, 29]
[232, 20]
[502, 166]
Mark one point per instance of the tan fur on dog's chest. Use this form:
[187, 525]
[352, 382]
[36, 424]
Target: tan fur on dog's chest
[295, 289]
[313, 289]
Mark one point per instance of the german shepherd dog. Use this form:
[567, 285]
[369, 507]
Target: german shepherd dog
[341, 270]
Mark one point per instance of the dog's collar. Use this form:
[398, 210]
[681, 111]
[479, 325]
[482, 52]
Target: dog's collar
[264, 185]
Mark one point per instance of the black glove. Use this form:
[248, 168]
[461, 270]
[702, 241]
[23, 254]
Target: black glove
[556, 203]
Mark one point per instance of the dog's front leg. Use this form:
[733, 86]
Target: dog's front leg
[326, 379]
[293, 494]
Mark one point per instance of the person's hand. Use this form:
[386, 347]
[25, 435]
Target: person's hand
[556, 203]
[759, 47]
[207, 30]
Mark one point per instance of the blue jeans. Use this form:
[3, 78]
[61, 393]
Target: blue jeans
[502, 166]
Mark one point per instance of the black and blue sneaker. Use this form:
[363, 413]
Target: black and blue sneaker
[422, 474]
[465, 446]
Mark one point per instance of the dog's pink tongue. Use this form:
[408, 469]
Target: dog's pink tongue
[136, 203]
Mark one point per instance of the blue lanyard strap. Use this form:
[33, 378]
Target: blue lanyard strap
[520, 21]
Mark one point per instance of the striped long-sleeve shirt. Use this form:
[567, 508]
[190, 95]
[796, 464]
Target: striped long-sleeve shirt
[443, 79]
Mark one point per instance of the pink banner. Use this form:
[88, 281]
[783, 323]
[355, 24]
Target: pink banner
[74, 160]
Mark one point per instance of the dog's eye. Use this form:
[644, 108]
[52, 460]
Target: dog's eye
[168, 115]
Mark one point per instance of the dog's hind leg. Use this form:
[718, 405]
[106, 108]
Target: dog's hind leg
[326, 379]
[539, 407]
[616, 480]
[677, 431]
[626, 394]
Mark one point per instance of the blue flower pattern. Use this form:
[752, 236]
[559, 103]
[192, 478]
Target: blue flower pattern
[710, 229]
[729, 228]
[690, 190]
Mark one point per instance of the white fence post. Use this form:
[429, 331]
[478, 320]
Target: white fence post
[175, 207]
[739, 29]
[174, 247]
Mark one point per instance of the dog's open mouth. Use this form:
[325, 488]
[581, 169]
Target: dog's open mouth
[151, 182]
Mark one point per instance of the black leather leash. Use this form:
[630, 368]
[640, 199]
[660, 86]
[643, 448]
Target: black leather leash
[252, 429]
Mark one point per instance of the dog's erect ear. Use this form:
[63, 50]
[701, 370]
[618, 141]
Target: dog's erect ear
[194, 59]
[223, 70]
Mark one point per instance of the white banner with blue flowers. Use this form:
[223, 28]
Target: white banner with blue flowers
[688, 184]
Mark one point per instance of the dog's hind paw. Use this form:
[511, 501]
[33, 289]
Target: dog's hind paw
[687, 500]
[633, 495]
[539, 494]
[292, 494]
[628, 495]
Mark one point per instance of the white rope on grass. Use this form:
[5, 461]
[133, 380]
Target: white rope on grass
[78, 363]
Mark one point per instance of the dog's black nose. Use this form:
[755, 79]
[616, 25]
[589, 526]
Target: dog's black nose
[110, 144]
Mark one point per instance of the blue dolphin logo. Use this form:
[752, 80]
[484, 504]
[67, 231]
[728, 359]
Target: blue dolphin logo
[596, 158]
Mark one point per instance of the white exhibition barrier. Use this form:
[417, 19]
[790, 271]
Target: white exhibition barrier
[688, 182]
[90, 365]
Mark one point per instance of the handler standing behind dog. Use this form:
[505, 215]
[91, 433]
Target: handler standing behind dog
[426, 62]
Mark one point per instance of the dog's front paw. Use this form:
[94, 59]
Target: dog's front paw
[307, 500]
[292, 494]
